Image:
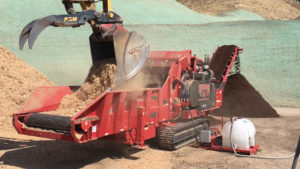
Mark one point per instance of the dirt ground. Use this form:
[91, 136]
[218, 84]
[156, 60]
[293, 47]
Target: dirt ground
[269, 9]
[277, 137]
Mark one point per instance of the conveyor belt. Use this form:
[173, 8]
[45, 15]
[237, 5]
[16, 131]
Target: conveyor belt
[221, 59]
[174, 137]
[50, 122]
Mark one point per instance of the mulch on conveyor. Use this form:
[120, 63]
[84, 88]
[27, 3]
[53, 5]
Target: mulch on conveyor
[220, 60]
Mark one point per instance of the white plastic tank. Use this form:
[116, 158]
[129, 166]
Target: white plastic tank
[243, 134]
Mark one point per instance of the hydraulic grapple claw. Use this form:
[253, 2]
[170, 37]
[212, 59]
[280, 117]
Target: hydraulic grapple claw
[34, 28]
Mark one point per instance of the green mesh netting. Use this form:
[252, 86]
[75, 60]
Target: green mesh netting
[270, 60]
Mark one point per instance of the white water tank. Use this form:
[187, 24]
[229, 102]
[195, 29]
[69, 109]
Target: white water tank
[243, 134]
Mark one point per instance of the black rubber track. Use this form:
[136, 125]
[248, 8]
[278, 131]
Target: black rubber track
[51, 122]
[174, 137]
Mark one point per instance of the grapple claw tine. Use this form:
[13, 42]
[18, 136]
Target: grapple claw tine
[25, 33]
[22, 41]
[33, 29]
[37, 28]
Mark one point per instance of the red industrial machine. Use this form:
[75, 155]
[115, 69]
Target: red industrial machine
[174, 108]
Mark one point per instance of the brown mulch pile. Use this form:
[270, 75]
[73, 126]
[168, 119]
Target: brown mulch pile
[17, 81]
[241, 99]
[99, 79]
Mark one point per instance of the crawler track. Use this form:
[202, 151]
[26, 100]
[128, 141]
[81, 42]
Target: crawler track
[174, 137]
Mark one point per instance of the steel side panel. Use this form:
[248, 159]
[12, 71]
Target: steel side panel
[104, 127]
[45, 98]
[47, 134]
[121, 116]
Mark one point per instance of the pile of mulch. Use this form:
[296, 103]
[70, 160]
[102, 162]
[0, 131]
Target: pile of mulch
[17, 80]
[241, 99]
[99, 79]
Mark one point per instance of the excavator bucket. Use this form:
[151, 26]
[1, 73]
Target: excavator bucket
[129, 49]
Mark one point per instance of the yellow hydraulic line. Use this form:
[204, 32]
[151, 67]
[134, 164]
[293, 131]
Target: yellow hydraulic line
[106, 5]
[109, 5]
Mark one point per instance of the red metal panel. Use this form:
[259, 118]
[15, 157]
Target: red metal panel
[189, 114]
[219, 98]
[148, 107]
[149, 132]
[121, 118]
[45, 98]
[132, 122]
[140, 125]
[47, 134]
[103, 126]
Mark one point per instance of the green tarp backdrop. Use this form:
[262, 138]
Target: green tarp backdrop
[270, 61]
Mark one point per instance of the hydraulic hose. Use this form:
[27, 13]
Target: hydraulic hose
[296, 155]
